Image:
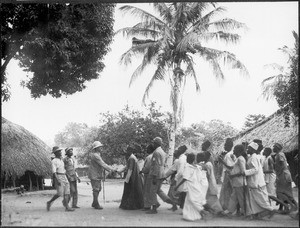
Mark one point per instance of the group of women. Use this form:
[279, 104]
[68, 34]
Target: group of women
[252, 176]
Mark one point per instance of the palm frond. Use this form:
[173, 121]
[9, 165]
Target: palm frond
[149, 57]
[209, 16]
[159, 74]
[230, 60]
[134, 51]
[139, 70]
[138, 31]
[274, 66]
[268, 90]
[228, 38]
[227, 24]
[143, 15]
[164, 11]
[191, 71]
[187, 41]
[202, 21]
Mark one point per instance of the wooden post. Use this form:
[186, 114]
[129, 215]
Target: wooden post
[42, 183]
[13, 180]
[30, 182]
[37, 183]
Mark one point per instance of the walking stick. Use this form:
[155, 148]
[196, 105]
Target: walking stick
[103, 180]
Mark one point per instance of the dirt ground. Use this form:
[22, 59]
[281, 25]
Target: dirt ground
[30, 210]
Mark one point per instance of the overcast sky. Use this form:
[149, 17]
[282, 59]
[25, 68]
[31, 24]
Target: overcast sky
[270, 27]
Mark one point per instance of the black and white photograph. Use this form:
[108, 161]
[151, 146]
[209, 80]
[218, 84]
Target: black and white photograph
[149, 113]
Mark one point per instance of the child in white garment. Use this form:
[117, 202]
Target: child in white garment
[196, 185]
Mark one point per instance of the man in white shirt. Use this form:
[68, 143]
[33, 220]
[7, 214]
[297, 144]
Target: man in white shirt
[60, 180]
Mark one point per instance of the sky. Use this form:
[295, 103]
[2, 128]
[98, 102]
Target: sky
[270, 26]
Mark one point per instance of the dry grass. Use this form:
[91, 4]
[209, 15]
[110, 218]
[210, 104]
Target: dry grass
[22, 151]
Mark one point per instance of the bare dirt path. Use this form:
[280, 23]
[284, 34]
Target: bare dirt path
[30, 210]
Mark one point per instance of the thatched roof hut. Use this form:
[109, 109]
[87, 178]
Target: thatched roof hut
[22, 151]
[271, 130]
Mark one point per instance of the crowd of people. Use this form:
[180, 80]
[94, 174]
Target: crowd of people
[252, 177]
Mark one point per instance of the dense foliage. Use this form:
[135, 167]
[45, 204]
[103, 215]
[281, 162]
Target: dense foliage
[128, 127]
[252, 120]
[62, 45]
[284, 86]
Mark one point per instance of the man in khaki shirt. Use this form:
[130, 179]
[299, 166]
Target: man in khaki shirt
[71, 175]
[95, 173]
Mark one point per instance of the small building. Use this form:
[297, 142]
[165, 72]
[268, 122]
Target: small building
[25, 159]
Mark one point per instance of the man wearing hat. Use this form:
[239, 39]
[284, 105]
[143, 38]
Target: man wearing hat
[71, 175]
[284, 179]
[61, 181]
[95, 173]
[259, 201]
[157, 175]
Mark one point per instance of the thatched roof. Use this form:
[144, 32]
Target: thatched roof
[272, 130]
[22, 151]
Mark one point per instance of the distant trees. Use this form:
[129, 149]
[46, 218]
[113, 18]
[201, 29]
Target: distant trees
[284, 85]
[252, 120]
[73, 135]
[129, 127]
[62, 45]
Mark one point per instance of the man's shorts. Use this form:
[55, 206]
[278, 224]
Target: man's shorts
[96, 185]
[64, 187]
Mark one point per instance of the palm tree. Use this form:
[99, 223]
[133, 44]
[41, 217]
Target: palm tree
[172, 40]
[273, 83]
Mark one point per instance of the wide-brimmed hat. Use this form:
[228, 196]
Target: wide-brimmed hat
[68, 149]
[96, 144]
[56, 149]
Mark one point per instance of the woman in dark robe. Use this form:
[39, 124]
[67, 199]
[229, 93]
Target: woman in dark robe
[132, 198]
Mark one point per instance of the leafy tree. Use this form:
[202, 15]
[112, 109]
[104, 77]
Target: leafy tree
[252, 120]
[73, 135]
[171, 40]
[63, 45]
[216, 131]
[128, 127]
[284, 85]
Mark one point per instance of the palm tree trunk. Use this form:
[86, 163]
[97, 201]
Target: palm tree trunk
[171, 145]
[174, 124]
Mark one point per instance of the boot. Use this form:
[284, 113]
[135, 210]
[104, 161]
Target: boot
[95, 203]
[66, 203]
[153, 210]
[74, 201]
[51, 201]
[95, 198]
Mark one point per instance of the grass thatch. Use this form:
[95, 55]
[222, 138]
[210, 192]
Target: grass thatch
[272, 130]
[22, 151]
